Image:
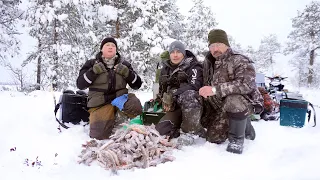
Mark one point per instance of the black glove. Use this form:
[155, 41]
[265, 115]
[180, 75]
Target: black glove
[123, 70]
[99, 68]
[258, 109]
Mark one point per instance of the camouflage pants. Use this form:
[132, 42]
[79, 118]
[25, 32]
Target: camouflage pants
[186, 116]
[103, 119]
[216, 120]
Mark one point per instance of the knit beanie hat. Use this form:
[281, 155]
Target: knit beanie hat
[218, 36]
[108, 39]
[177, 45]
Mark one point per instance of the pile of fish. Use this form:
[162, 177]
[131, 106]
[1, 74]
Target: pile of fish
[132, 146]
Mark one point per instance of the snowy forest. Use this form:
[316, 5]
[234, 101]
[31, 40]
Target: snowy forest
[69, 32]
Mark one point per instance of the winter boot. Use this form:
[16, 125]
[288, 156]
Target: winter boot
[185, 139]
[236, 135]
[250, 132]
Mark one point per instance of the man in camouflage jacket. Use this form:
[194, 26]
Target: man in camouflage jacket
[179, 82]
[230, 94]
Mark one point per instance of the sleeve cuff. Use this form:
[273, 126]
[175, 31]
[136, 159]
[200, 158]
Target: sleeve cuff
[218, 91]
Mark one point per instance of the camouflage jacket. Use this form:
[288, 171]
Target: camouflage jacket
[232, 73]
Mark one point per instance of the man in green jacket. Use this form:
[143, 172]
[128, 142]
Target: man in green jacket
[107, 76]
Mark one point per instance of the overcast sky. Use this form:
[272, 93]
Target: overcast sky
[249, 20]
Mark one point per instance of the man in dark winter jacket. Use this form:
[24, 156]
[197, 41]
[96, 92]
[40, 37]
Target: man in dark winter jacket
[107, 76]
[230, 94]
[180, 80]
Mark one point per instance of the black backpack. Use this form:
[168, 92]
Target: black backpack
[73, 108]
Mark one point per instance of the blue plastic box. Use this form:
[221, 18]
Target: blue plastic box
[293, 112]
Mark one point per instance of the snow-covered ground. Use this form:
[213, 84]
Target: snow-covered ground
[28, 130]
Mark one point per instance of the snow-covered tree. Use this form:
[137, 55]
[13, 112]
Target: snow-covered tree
[269, 47]
[10, 14]
[199, 22]
[234, 45]
[301, 68]
[147, 34]
[74, 42]
[304, 39]
[254, 56]
[70, 32]
[139, 27]
[36, 18]
[64, 41]
[177, 25]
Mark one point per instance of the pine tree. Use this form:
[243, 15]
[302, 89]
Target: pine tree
[234, 45]
[70, 32]
[254, 56]
[140, 27]
[199, 22]
[176, 23]
[148, 34]
[304, 39]
[10, 14]
[269, 47]
[75, 45]
[301, 68]
[64, 41]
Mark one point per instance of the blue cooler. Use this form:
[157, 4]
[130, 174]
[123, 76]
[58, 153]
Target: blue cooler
[293, 112]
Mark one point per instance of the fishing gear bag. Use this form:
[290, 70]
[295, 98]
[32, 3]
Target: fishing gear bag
[293, 112]
[72, 108]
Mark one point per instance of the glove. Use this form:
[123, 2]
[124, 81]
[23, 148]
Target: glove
[99, 68]
[123, 70]
[168, 102]
[258, 109]
[158, 99]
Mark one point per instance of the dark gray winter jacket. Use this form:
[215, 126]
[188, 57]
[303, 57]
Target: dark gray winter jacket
[187, 75]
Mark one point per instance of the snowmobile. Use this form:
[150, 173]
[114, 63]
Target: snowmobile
[270, 104]
[289, 107]
[275, 83]
[277, 91]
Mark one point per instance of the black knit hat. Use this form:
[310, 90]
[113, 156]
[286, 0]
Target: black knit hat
[218, 36]
[108, 39]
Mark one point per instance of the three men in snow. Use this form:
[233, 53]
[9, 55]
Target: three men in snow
[213, 100]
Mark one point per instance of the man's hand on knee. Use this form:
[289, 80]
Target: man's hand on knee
[206, 91]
